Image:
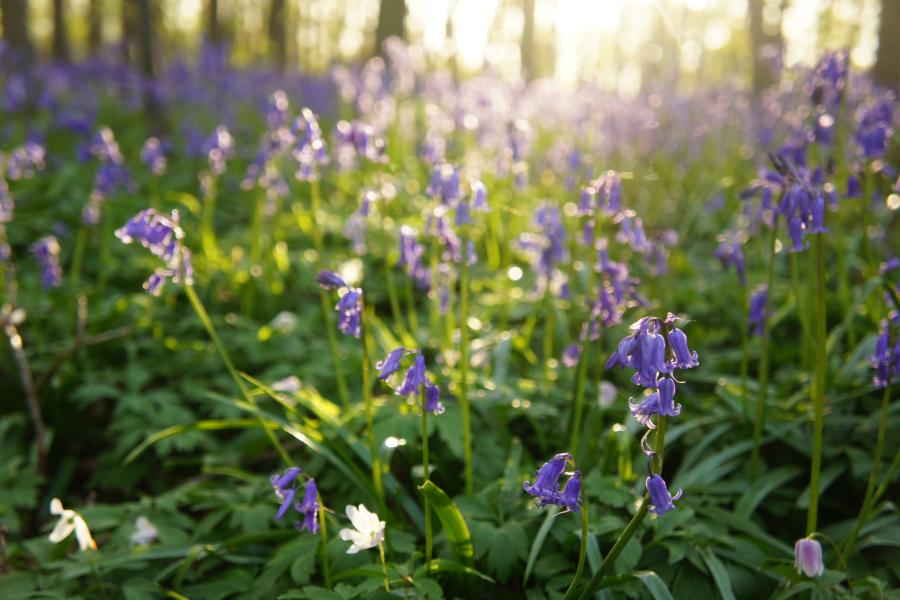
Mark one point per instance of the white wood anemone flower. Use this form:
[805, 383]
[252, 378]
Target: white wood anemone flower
[367, 530]
[70, 520]
[145, 532]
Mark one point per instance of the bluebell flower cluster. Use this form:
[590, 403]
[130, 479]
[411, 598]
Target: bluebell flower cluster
[547, 248]
[731, 253]
[219, 147]
[873, 131]
[112, 175]
[163, 236]
[46, 251]
[886, 359]
[285, 488]
[415, 380]
[661, 500]
[350, 303]
[411, 254]
[354, 140]
[310, 151]
[153, 155]
[757, 313]
[24, 161]
[546, 488]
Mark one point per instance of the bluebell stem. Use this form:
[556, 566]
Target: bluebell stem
[46, 251]
[808, 557]
[661, 501]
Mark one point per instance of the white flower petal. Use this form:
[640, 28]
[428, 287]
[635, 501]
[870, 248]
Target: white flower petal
[83, 534]
[63, 528]
[56, 507]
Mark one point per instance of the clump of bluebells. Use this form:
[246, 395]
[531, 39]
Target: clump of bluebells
[350, 304]
[546, 488]
[414, 381]
[164, 238]
[46, 251]
[655, 349]
[286, 488]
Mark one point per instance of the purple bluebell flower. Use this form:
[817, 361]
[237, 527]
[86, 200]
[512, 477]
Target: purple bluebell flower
[731, 254]
[684, 357]
[309, 508]
[571, 355]
[329, 280]
[818, 214]
[661, 501]
[757, 313]
[46, 251]
[874, 131]
[349, 309]
[164, 238]
[808, 557]
[284, 490]
[7, 206]
[854, 189]
[415, 377]
[886, 359]
[795, 229]
[433, 399]
[546, 486]
[153, 156]
[667, 406]
[411, 253]
[645, 409]
[479, 197]
[390, 364]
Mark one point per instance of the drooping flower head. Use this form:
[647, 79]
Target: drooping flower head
[350, 303]
[415, 381]
[757, 314]
[661, 501]
[46, 251]
[165, 239]
[153, 156]
[886, 359]
[808, 557]
[285, 488]
[70, 521]
[731, 254]
[546, 489]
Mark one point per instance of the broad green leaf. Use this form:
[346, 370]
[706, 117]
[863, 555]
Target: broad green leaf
[719, 573]
[451, 520]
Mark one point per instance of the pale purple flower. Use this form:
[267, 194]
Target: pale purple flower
[661, 501]
[808, 557]
[46, 251]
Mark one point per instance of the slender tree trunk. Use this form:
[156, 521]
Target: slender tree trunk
[128, 30]
[21, 54]
[526, 45]
[887, 59]
[762, 73]
[213, 32]
[95, 26]
[60, 35]
[147, 63]
[277, 37]
[391, 22]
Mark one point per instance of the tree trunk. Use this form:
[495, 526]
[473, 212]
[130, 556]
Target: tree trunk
[391, 22]
[213, 33]
[762, 72]
[60, 35]
[21, 54]
[886, 71]
[526, 45]
[277, 37]
[95, 26]
[128, 30]
[147, 63]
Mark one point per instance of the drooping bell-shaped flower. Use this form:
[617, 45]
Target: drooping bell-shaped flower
[661, 501]
[684, 357]
[667, 406]
[309, 508]
[570, 495]
[642, 411]
[757, 314]
[415, 377]
[808, 557]
[433, 399]
[390, 364]
[330, 280]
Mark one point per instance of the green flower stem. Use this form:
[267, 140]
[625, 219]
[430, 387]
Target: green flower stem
[801, 312]
[207, 323]
[393, 297]
[578, 397]
[384, 574]
[78, 257]
[207, 228]
[582, 550]
[549, 329]
[464, 361]
[869, 498]
[632, 526]
[818, 390]
[888, 477]
[411, 306]
[745, 351]
[370, 408]
[762, 397]
[323, 546]
[256, 251]
[326, 301]
[426, 477]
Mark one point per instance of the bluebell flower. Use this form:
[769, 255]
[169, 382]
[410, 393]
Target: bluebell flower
[433, 399]
[795, 229]
[757, 313]
[349, 309]
[153, 156]
[163, 236]
[731, 254]
[854, 190]
[309, 508]
[643, 411]
[684, 357]
[415, 377]
[411, 253]
[390, 364]
[479, 197]
[667, 406]
[661, 501]
[330, 280]
[46, 251]
[546, 486]
[571, 355]
[818, 215]
[284, 490]
[886, 359]
[808, 557]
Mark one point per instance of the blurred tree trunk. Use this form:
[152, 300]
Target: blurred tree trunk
[21, 57]
[448, 33]
[147, 62]
[60, 35]
[277, 37]
[391, 22]
[213, 32]
[95, 26]
[128, 30]
[526, 44]
[886, 71]
[762, 74]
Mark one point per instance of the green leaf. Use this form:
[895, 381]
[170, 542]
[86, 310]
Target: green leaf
[765, 485]
[538, 543]
[655, 586]
[451, 520]
[445, 565]
[175, 430]
[719, 573]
